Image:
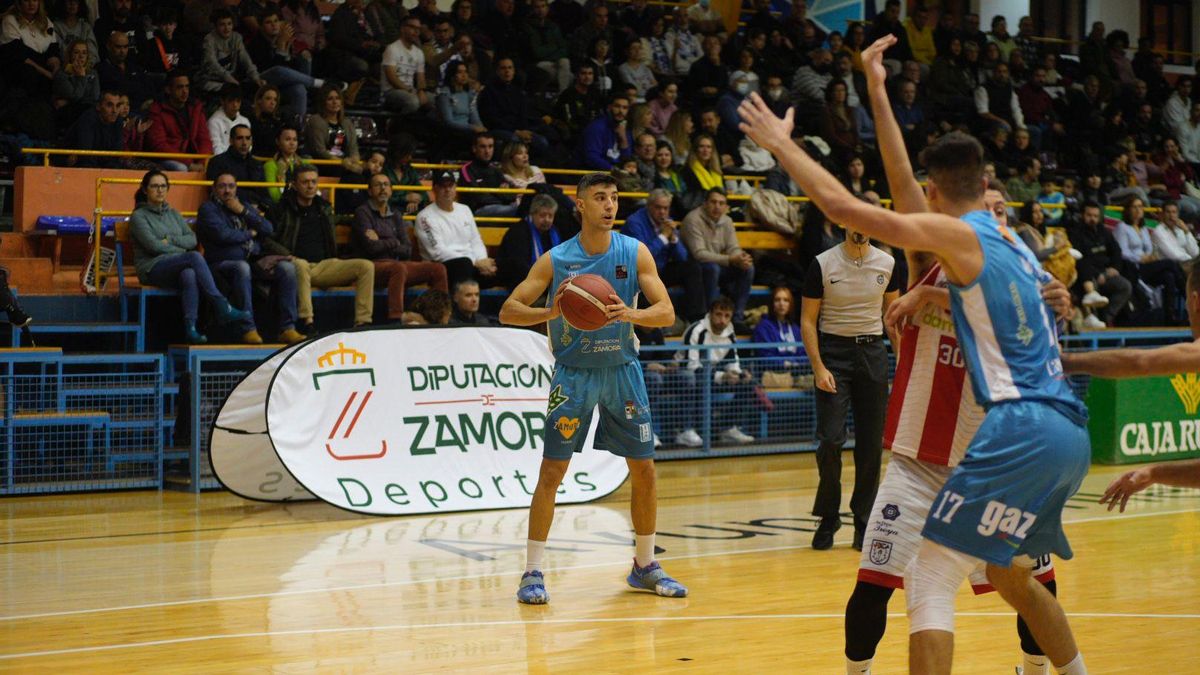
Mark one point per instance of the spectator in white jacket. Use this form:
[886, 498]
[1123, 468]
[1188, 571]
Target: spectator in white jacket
[225, 118]
[447, 233]
[711, 353]
[1173, 240]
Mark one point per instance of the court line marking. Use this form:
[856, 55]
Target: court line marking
[469, 577]
[522, 622]
[316, 504]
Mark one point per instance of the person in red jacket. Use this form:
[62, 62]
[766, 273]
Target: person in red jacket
[179, 124]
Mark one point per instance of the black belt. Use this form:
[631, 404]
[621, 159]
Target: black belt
[856, 339]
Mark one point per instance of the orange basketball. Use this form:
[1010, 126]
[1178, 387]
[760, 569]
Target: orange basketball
[584, 299]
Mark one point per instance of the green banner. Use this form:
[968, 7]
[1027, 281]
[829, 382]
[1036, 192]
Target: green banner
[1145, 419]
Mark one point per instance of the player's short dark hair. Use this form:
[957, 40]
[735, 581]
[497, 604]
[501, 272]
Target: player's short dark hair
[594, 180]
[222, 13]
[714, 190]
[721, 303]
[234, 128]
[231, 92]
[955, 163]
[1091, 204]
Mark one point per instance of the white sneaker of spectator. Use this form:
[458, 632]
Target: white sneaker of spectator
[1094, 299]
[737, 435]
[1090, 321]
[689, 438]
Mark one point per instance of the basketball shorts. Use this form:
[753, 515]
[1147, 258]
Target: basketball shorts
[894, 529]
[1006, 497]
[618, 392]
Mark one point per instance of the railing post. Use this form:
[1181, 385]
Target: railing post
[706, 402]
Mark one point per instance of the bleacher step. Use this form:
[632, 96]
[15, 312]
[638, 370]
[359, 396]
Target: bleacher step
[35, 275]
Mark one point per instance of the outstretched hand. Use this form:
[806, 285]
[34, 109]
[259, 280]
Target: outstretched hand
[763, 126]
[872, 59]
[1124, 487]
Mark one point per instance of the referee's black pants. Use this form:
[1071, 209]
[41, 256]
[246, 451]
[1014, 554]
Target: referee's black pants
[860, 370]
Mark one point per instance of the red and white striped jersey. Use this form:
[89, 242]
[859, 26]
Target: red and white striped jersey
[932, 414]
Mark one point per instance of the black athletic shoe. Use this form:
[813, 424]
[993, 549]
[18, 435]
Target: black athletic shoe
[823, 538]
[17, 317]
[860, 530]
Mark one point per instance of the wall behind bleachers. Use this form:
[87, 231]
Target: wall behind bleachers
[58, 191]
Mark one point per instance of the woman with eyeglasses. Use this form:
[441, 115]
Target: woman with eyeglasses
[164, 253]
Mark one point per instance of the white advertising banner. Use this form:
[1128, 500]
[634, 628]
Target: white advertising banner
[239, 448]
[403, 421]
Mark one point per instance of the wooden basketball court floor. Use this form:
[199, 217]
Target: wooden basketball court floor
[169, 582]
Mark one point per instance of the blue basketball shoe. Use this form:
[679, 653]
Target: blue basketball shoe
[653, 578]
[532, 590]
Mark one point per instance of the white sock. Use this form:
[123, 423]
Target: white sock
[318, 83]
[644, 554]
[1075, 667]
[1034, 664]
[533, 554]
[858, 667]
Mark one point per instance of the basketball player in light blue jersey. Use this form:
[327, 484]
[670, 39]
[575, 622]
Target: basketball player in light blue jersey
[596, 370]
[1003, 503]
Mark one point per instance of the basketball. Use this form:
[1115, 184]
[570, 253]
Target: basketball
[584, 299]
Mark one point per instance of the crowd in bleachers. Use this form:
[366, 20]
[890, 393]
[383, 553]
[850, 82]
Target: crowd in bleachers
[647, 92]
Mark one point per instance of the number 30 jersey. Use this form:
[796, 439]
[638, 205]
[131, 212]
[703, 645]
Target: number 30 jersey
[932, 414]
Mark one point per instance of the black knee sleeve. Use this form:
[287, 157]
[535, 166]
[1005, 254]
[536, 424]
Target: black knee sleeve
[866, 620]
[1028, 644]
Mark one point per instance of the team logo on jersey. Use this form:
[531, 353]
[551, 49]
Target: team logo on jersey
[881, 551]
[556, 399]
[1188, 388]
[891, 512]
[567, 426]
[622, 272]
[630, 410]
[879, 279]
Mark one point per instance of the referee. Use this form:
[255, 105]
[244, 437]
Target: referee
[846, 291]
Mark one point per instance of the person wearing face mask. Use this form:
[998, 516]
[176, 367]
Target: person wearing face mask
[778, 98]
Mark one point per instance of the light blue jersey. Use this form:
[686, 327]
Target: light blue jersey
[611, 345]
[1032, 451]
[1006, 335]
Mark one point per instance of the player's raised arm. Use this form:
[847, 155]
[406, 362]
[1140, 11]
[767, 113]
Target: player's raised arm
[907, 195]
[945, 236]
[1118, 363]
[517, 310]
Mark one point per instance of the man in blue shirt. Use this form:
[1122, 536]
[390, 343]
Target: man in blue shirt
[607, 140]
[652, 225]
